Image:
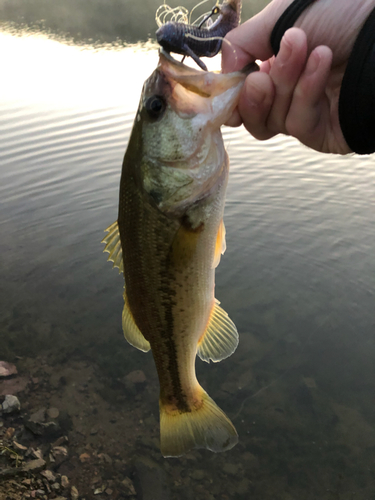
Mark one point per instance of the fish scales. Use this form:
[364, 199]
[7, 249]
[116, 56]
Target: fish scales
[172, 195]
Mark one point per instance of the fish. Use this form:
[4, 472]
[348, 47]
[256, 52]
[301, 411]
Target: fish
[168, 240]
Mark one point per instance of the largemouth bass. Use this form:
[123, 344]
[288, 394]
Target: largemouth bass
[168, 239]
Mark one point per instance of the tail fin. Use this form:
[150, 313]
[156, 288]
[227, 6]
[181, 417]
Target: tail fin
[205, 427]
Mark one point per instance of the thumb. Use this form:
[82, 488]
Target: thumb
[251, 40]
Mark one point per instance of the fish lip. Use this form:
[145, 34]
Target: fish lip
[204, 83]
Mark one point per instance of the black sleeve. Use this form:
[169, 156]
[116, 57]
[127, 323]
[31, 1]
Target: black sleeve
[357, 94]
[286, 21]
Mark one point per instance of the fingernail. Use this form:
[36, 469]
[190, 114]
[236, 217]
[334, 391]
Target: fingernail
[313, 63]
[285, 51]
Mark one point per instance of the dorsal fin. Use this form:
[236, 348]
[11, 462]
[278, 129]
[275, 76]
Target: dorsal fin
[131, 331]
[220, 245]
[220, 339]
[113, 246]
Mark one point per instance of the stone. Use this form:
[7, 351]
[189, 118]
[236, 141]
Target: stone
[53, 412]
[74, 493]
[19, 446]
[35, 465]
[136, 377]
[39, 416]
[60, 441]
[84, 457]
[49, 475]
[64, 482]
[105, 458]
[7, 369]
[11, 404]
[128, 487]
[9, 433]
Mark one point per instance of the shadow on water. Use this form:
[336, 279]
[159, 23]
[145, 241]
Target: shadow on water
[297, 279]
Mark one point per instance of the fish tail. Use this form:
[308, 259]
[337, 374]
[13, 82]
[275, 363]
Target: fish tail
[205, 426]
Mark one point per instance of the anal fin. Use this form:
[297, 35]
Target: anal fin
[113, 246]
[220, 339]
[131, 331]
[220, 245]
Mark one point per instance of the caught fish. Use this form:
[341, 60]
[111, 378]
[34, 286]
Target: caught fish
[168, 240]
[198, 41]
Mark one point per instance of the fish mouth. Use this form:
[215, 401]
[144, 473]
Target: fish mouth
[202, 83]
[193, 91]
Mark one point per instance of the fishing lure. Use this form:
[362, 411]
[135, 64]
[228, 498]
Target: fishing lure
[199, 41]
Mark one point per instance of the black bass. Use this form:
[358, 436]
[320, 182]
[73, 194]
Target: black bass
[168, 240]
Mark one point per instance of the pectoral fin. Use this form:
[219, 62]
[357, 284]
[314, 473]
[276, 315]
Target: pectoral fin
[113, 246]
[220, 246]
[220, 339]
[131, 330]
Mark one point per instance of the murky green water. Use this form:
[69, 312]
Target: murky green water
[298, 279]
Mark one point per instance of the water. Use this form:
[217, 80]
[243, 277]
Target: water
[298, 279]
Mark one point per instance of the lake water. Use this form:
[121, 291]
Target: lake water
[298, 279]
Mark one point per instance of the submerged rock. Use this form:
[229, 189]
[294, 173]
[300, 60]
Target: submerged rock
[7, 369]
[10, 404]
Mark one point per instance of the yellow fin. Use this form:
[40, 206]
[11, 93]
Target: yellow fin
[220, 339]
[131, 331]
[205, 427]
[113, 246]
[221, 245]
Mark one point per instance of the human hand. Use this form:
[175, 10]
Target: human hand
[296, 92]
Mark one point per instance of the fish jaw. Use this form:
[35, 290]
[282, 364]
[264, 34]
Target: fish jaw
[209, 94]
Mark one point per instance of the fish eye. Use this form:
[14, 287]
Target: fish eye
[216, 10]
[155, 106]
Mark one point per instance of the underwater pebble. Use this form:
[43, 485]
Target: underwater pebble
[11, 404]
[9, 433]
[53, 412]
[39, 416]
[7, 369]
[34, 465]
[74, 493]
[64, 482]
[136, 377]
[49, 475]
[84, 457]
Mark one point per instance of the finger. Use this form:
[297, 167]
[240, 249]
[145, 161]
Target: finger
[234, 120]
[251, 40]
[285, 72]
[255, 104]
[313, 117]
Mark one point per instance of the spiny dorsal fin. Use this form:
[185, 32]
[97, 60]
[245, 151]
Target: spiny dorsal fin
[220, 339]
[221, 245]
[131, 330]
[113, 246]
